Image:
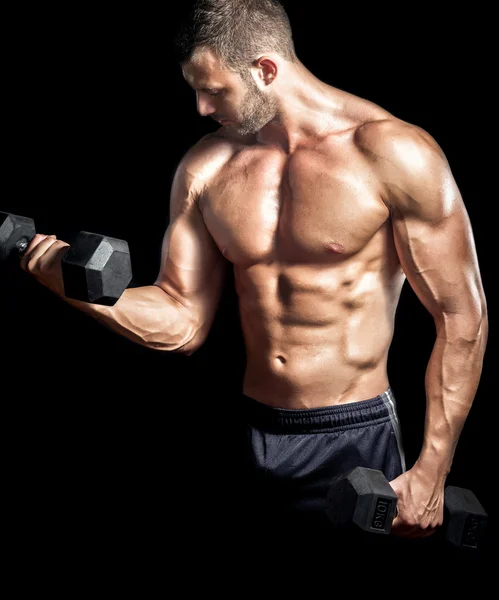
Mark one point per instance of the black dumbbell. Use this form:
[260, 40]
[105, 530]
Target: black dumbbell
[95, 268]
[363, 497]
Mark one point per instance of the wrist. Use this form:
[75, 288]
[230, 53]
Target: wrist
[435, 460]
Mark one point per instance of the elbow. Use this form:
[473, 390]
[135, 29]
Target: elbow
[187, 349]
[183, 341]
[192, 345]
[479, 323]
[469, 327]
[200, 327]
[193, 341]
[185, 335]
[199, 334]
[484, 325]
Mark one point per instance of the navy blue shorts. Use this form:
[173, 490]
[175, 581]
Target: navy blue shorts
[291, 457]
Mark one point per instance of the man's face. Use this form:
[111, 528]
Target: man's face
[226, 97]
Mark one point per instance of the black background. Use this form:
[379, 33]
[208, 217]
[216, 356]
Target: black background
[108, 440]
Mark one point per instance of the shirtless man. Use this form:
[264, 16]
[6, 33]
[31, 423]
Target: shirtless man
[324, 204]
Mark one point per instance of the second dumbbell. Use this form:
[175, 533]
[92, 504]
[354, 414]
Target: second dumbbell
[363, 497]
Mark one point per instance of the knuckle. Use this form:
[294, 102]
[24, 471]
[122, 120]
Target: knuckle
[39, 237]
[30, 264]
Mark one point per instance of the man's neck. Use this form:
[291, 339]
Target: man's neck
[308, 108]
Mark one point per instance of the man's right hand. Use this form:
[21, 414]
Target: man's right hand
[42, 259]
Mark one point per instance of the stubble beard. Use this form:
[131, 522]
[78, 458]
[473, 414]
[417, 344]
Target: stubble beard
[257, 110]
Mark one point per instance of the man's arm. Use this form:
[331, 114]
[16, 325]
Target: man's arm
[176, 312]
[435, 244]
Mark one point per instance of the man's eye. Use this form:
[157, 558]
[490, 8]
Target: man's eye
[213, 93]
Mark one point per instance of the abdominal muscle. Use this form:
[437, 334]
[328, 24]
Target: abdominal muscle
[315, 335]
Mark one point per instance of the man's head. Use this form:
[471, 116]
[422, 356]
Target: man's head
[230, 51]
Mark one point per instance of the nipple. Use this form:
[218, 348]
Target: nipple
[334, 247]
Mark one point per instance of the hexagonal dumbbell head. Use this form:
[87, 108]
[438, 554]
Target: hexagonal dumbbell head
[465, 518]
[15, 234]
[96, 268]
[362, 497]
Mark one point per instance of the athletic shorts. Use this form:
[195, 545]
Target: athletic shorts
[292, 455]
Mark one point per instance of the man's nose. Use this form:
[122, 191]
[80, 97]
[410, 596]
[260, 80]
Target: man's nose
[205, 106]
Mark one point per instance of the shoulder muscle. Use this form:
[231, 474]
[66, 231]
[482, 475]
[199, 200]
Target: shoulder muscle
[195, 171]
[412, 168]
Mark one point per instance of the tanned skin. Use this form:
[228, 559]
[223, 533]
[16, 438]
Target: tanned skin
[323, 204]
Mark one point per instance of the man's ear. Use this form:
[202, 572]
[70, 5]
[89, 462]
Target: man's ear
[267, 69]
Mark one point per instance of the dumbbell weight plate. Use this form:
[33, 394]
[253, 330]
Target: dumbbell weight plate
[96, 268]
[15, 233]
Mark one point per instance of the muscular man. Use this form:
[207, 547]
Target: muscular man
[324, 204]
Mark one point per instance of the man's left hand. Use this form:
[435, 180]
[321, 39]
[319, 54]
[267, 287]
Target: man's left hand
[420, 504]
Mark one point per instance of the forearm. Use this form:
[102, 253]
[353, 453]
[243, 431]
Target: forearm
[451, 382]
[145, 315]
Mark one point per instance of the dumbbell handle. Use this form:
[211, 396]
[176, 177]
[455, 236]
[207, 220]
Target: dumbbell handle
[22, 244]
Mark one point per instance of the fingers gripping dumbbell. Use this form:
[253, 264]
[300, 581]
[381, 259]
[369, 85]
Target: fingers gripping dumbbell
[364, 497]
[95, 268]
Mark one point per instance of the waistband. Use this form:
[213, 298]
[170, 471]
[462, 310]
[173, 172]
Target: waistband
[323, 419]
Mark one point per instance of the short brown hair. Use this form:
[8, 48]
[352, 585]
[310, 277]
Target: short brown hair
[236, 31]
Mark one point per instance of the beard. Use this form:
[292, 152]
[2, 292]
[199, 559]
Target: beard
[257, 109]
